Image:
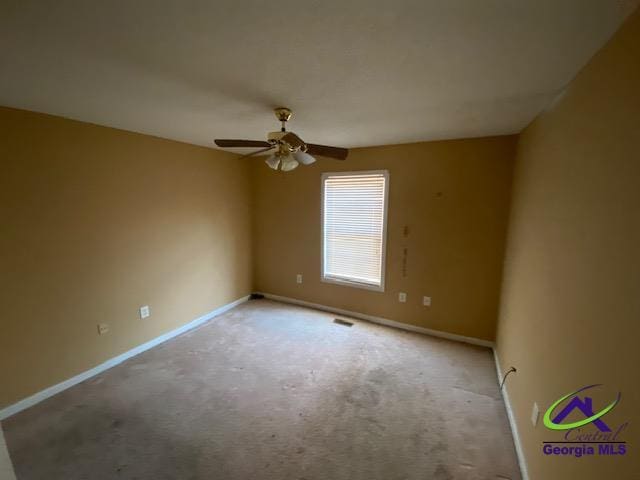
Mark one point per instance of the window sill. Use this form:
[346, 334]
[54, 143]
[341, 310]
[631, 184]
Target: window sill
[353, 283]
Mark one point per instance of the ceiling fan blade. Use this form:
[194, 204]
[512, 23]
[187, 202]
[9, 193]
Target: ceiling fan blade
[294, 140]
[257, 152]
[241, 143]
[326, 151]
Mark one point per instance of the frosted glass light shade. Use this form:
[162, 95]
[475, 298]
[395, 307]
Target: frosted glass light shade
[304, 158]
[288, 163]
[273, 161]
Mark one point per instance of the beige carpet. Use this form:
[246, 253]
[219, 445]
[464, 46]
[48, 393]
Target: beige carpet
[272, 391]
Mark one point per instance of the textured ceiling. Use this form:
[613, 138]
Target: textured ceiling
[355, 73]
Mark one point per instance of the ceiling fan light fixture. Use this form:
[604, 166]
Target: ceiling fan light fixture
[303, 157]
[288, 163]
[273, 161]
[290, 149]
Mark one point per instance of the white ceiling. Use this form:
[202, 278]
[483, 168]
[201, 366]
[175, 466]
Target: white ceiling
[356, 73]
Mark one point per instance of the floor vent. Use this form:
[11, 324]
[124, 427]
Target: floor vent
[339, 321]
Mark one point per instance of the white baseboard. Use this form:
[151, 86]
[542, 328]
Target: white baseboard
[48, 392]
[381, 321]
[6, 468]
[522, 461]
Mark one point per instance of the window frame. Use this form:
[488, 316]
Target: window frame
[385, 215]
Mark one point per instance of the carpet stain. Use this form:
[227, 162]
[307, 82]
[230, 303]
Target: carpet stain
[439, 447]
[442, 473]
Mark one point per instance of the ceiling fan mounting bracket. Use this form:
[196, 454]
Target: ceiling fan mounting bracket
[283, 114]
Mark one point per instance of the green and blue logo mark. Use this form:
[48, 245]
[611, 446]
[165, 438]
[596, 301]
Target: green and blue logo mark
[585, 406]
[578, 441]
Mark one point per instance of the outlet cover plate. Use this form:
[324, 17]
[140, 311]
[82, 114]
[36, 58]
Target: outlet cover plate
[103, 328]
[402, 297]
[299, 278]
[145, 311]
[426, 301]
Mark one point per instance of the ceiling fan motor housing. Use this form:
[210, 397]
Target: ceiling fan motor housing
[275, 137]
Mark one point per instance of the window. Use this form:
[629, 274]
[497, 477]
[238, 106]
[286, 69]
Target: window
[354, 228]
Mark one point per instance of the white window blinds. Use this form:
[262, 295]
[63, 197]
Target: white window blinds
[354, 228]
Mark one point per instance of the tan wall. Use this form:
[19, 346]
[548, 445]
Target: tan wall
[452, 195]
[97, 222]
[570, 312]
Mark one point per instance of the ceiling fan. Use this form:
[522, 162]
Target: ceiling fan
[289, 150]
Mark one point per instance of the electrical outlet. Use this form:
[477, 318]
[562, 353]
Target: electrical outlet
[426, 301]
[299, 278]
[103, 328]
[535, 413]
[402, 297]
[145, 311]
